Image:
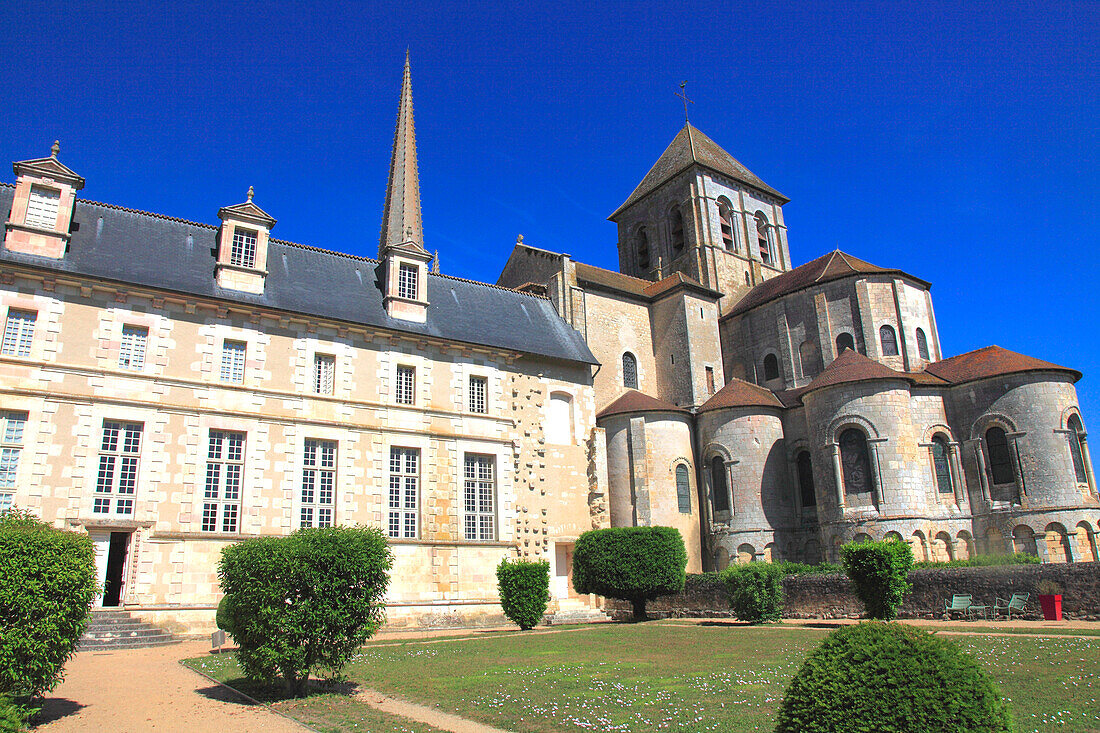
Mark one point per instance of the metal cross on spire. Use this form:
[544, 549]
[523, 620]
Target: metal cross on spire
[683, 95]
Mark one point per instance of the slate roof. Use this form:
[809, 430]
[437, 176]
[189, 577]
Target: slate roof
[739, 393]
[852, 366]
[691, 147]
[169, 254]
[634, 401]
[831, 266]
[990, 361]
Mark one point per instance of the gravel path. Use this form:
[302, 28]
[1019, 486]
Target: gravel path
[149, 690]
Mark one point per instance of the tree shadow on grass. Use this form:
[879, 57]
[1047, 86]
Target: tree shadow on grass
[247, 692]
[55, 708]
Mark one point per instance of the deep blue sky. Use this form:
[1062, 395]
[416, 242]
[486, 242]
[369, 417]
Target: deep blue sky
[957, 141]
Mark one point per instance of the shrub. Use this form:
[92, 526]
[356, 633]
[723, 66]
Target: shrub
[49, 585]
[224, 616]
[879, 571]
[979, 561]
[755, 591]
[524, 590]
[635, 564]
[13, 717]
[891, 678]
[801, 568]
[305, 602]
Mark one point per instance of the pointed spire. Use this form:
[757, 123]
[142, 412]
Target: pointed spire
[401, 218]
[435, 263]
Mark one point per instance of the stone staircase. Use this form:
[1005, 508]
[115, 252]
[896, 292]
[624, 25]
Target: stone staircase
[581, 615]
[112, 628]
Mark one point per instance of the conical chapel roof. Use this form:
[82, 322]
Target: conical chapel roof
[691, 147]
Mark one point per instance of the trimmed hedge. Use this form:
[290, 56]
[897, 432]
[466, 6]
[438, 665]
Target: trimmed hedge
[891, 678]
[635, 564]
[304, 603]
[224, 616]
[755, 591]
[981, 561]
[879, 573]
[49, 584]
[524, 589]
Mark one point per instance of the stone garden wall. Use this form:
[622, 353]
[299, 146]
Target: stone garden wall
[831, 596]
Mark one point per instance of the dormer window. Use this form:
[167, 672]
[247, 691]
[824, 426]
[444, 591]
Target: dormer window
[243, 253]
[42, 207]
[406, 281]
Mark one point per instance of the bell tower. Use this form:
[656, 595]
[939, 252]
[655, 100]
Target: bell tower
[701, 212]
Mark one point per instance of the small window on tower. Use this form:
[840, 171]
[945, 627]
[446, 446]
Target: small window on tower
[771, 367]
[762, 238]
[677, 219]
[630, 371]
[725, 222]
[845, 341]
[643, 249]
[889, 339]
[710, 379]
[922, 344]
[406, 281]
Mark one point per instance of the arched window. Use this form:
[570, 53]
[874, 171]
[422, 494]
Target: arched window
[762, 238]
[719, 493]
[940, 463]
[889, 340]
[845, 341]
[725, 221]
[806, 479]
[771, 367]
[559, 420]
[856, 464]
[1075, 451]
[683, 493]
[810, 358]
[630, 371]
[1000, 460]
[922, 344]
[643, 248]
[676, 219]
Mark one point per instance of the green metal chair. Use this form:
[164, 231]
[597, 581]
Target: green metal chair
[1016, 603]
[958, 604]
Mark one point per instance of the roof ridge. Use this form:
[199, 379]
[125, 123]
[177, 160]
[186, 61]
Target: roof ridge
[146, 213]
[620, 274]
[489, 285]
[691, 142]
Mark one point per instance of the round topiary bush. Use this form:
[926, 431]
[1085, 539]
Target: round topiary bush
[224, 616]
[891, 678]
[635, 564]
[524, 589]
[755, 591]
[879, 571]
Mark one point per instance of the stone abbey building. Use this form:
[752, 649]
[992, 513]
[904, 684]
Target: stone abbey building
[170, 387]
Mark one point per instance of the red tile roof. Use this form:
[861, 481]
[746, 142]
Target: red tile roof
[636, 286]
[634, 401]
[739, 393]
[851, 366]
[990, 361]
[831, 266]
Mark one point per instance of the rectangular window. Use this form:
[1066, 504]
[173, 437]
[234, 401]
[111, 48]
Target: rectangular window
[116, 480]
[243, 251]
[404, 485]
[710, 379]
[318, 483]
[406, 383]
[131, 352]
[477, 394]
[42, 207]
[479, 498]
[406, 281]
[11, 447]
[233, 361]
[224, 471]
[18, 333]
[324, 373]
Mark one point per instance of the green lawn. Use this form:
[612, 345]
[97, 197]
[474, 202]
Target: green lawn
[659, 676]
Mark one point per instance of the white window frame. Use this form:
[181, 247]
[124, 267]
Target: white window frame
[404, 391]
[43, 206]
[234, 353]
[407, 281]
[242, 249]
[13, 425]
[403, 497]
[221, 507]
[118, 467]
[478, 396]
[132, 346]
[479, 497]
[324, 373]
[317, 493]
[18, 332]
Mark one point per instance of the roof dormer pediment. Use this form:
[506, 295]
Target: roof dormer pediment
[50, 168]
[247, 212]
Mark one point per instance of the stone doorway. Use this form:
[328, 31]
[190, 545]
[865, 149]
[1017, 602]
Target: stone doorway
[112, 550]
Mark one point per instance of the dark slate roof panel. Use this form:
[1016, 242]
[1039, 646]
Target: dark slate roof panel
[164, 253]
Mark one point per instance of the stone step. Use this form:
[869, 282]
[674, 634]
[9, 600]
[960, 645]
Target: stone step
[117, 629]
[120, 623]
[95, 646]
[578, 616]
[125, 633]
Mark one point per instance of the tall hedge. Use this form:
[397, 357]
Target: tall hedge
[635, 564]
[524, 589]
[755, 591]
[879, 571]
[891, 678]
[48, 586]
[304, 603]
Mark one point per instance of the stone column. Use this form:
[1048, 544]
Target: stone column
[983, 479]
[876, 473]
[1087, 460]
[1018, 468]
[838, 473]
[957, 473]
